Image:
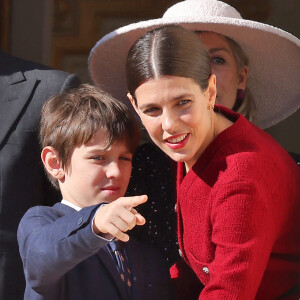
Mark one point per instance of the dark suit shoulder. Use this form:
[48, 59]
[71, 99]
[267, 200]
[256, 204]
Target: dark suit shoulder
[53, 80]
[59, 210]
[45, 211]
[10, 64]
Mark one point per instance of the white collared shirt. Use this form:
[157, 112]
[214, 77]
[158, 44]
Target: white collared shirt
[68, 203]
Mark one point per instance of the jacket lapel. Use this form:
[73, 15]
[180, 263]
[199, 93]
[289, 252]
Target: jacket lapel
[137, 267]
[15, 92]
[108, 262]
[103, 255]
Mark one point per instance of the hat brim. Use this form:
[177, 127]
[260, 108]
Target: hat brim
[274, 61]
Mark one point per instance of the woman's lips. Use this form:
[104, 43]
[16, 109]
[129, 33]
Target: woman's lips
[177, 141]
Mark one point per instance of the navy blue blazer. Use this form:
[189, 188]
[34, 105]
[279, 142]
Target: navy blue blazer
[63, 259]
[24, 87]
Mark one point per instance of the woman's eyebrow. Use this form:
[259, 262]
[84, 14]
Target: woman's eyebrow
[145, 106]
[182, 96]
[175, 98]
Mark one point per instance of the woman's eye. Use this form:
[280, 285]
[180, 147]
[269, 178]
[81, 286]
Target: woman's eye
[150, 110]
[218, 60]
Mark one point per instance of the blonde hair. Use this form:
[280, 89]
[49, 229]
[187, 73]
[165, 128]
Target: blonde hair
[248, 105]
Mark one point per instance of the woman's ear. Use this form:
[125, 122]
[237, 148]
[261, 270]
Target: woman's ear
[52, 162]
[243, 75]
[212, 89]
[129, 96]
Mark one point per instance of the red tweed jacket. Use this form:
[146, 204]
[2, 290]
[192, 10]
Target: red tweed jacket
[238, 217]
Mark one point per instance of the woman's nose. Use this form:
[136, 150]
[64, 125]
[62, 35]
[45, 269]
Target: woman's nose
[168, 121]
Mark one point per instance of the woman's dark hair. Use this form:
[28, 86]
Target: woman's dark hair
[168, 50]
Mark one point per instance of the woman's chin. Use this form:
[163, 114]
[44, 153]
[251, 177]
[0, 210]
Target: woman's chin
[178, 157]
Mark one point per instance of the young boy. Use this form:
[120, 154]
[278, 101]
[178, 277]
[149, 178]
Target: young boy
[79, 248]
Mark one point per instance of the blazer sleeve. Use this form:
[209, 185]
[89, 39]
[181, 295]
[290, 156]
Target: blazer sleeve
[50, 245]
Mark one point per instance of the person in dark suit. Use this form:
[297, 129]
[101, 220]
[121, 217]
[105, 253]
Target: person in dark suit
[69, 250]
[24, 87]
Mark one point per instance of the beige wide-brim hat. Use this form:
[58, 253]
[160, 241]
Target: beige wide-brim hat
[274, 55]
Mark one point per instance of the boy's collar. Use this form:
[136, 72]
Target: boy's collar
[70, 204]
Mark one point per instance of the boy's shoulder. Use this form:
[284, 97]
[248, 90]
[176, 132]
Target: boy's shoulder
[48, 212]
[57, 208]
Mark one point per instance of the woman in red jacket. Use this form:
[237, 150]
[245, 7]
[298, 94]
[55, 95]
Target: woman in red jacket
[248, 58]
[237, 189]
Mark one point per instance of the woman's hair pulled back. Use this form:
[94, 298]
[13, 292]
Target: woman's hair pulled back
[168, 50]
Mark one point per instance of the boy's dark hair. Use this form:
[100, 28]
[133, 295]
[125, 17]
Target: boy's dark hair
[72, 118]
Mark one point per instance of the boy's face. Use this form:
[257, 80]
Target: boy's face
[95, 175]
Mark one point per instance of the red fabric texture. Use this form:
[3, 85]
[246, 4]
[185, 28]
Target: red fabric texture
[238, 217]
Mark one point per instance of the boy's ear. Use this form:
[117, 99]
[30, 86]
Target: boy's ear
[52, 162]
[129, 96]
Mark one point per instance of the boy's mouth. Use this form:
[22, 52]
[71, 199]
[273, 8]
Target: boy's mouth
[110, 188]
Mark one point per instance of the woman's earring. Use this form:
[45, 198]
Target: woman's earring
[211, 107]
[240, 96]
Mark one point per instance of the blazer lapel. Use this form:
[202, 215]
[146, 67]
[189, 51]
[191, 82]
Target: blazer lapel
[15, 92]
[137, 268]
[111, 267]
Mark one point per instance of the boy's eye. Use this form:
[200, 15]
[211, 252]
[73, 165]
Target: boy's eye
[126, 158]
[98, 157]
[183, 102]
[218, 60]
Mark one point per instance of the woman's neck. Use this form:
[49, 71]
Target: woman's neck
[219, 123]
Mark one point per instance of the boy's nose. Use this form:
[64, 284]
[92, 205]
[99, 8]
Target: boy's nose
[113, 170]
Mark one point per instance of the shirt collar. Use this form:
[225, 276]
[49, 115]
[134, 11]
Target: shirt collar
[70, 204]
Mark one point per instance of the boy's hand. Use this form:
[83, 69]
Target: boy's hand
[119, 216]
